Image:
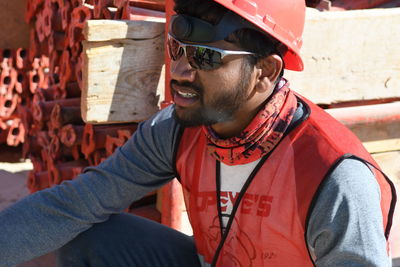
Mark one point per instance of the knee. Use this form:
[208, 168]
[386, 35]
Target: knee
[78, 251]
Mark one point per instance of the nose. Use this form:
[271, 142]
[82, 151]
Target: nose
[182, 71]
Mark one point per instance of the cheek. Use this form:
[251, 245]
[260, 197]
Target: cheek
[225, 79]
[231, 72]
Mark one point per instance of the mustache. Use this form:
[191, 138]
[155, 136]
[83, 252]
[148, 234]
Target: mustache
[192, 86]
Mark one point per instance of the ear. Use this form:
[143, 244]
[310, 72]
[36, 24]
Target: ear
[268, 72]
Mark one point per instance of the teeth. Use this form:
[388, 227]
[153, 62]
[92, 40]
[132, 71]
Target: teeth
[186, 95]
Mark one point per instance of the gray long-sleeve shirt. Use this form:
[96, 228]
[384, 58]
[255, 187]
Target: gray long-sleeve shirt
[345, 227]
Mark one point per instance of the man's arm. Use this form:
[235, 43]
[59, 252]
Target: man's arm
[346, 227]
[50, 218]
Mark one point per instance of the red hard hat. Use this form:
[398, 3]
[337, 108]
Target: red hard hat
[282, 19]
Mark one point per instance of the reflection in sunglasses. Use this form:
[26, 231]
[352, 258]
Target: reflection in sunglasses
[199, 56]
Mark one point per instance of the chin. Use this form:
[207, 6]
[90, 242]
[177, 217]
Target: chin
[199, 117]
[185, 119]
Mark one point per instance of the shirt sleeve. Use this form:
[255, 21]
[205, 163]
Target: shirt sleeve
[346, 226]
[48, 219]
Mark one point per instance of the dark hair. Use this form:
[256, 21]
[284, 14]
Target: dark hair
[250, 40]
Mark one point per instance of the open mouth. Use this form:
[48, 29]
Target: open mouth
[184, 96]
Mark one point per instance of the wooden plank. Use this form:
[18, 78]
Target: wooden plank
[106, 30]
[386, 145]
[122, 79]
[349, 55]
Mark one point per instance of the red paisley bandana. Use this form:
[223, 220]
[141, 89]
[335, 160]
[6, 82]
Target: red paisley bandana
[260, 136]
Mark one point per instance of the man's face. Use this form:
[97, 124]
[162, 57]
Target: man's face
[206, 97]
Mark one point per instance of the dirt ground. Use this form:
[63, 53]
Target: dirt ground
[13, 176]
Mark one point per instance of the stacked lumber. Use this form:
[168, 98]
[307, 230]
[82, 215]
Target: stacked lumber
[354, 74]
[123, 70]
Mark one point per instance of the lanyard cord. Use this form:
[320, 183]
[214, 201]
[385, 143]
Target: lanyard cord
[224, 234]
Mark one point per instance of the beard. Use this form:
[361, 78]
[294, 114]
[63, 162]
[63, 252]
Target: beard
[224, 104]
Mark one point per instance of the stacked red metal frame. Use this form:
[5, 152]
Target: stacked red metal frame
[40, 90]
[14, 82]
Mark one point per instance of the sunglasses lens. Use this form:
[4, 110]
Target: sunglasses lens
[203, 58]
[198, 57]
[174, 49]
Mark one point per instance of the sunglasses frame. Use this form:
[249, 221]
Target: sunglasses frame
[222, 52]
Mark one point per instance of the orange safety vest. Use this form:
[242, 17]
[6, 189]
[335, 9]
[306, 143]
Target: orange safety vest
[270, 222]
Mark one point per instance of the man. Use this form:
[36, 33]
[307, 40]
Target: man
[269, 179]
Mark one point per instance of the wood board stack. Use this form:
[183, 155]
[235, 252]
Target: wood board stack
[351, 69]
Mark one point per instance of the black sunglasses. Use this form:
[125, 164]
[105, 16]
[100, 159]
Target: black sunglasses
[200, 57]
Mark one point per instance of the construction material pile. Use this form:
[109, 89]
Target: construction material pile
[41, 87]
